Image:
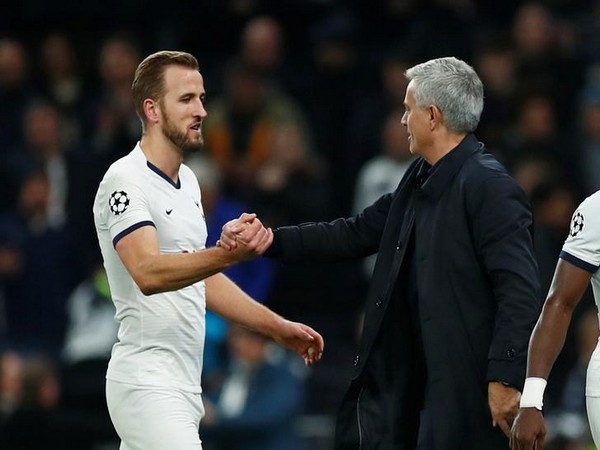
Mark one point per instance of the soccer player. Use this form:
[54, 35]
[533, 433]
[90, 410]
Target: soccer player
[578, 264]
[152, 234]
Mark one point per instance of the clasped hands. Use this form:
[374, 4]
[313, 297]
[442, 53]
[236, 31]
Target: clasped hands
[246, 233]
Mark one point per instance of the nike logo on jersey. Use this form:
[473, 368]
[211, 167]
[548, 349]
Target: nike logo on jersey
[169, 211]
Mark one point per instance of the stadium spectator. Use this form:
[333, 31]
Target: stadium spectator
[241, 125]
[37, 292]
[381, 175]
[260, 398]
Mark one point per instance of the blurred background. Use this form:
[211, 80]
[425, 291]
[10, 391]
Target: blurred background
[304, 100]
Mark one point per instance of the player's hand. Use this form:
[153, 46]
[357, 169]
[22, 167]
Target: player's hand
[253, 241]
[528, 430]
[245, 237]
[230, 231]
[301, 339]
[504, 404]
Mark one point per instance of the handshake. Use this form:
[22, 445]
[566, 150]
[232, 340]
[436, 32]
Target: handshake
[246, 236]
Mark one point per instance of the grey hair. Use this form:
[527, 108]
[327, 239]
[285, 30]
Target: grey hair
[454, 87]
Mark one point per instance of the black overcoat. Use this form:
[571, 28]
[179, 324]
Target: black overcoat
[478, 292]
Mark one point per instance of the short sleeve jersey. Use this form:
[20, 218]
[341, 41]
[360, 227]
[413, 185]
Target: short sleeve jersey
[582, 249]
[161, 336]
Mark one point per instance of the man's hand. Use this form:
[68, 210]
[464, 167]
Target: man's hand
[247, 236]
[243, 230]
[528, 430]
[301, 339]
[504, 404]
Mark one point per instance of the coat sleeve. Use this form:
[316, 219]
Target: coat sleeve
[340, 239]
[503, 237]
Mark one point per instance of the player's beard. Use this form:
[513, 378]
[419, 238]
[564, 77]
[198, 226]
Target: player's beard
[181, 139]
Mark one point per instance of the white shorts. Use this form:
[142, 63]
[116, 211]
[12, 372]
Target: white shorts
[593, 412]
[150, 418]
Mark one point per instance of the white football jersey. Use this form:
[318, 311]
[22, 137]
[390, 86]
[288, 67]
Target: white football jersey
[582, 248]
[161, 336]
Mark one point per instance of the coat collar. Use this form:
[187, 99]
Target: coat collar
[442, 173]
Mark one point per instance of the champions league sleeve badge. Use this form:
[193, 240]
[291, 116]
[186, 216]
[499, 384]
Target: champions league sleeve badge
[118, 202]
[576, 224]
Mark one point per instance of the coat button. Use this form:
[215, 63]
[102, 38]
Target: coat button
[356, 360]
[510, 353]
[398, 246]
[378, 303]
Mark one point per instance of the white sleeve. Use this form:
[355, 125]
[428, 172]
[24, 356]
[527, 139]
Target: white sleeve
[582, 246]
[126, 205]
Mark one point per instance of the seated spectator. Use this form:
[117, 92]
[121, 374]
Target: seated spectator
[15, 92]
[63, 83]
[43, 149]
[370, 115]
[259, 400]
[262, 46]
[110, 123]
[291, 186]
[241, 124]
[382, 174]
[47, 270]
[11, 383]
[91, 329]
[588, 137]
[39, 421]
[91, 332]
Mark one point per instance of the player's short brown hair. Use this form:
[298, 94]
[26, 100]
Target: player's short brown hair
[149, 81]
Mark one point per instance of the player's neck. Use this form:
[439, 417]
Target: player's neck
[162, 153]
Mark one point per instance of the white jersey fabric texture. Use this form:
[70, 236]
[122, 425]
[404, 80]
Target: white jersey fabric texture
[161, 336]
[582, 248]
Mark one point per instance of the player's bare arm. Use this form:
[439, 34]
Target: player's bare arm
[226, 299]
[547, 340]
[157, 272]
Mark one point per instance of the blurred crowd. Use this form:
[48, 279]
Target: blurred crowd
[304, 105]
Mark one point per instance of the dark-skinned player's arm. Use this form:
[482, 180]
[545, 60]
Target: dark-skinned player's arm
[547, 340]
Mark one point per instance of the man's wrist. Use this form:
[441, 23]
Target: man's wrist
[533, 393]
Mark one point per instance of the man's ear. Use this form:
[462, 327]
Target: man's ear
[435, 116]
[151, 110]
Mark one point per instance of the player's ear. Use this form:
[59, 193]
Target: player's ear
[151, 110]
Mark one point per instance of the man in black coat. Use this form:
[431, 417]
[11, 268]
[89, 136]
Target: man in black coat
[455, 290]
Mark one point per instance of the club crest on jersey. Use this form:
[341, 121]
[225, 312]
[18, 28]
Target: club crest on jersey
[576, 224]
[118, 202]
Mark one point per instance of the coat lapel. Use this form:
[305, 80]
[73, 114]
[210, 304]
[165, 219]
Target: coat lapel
[447, 167]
